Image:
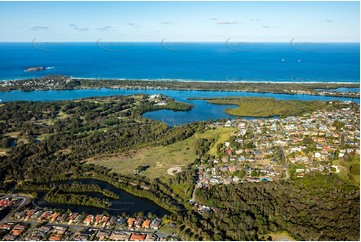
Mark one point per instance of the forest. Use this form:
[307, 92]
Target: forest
[70, 188]
[267, 107]
[311, 209]
[59, 196]
[58, 136]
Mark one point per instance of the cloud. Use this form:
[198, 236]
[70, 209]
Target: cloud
[166, 22]
[133, 25]
[83, 29]
[106, 28]
[329, 20]
[77, 28]
[214, 19]
[39, 28]
[227, 22]
[266, 27]
[255, 20]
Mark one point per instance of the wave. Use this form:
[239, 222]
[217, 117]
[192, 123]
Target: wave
[211, 81]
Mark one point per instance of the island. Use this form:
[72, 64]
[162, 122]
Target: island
[38, 68]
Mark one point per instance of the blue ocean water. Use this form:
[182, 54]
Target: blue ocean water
[231, 61]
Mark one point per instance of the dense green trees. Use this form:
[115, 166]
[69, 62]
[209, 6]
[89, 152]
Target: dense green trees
[202, 146]
[6, 141]
[75, 130]
[309, 209]
[267, 107]
[71, 188]
[58, 196]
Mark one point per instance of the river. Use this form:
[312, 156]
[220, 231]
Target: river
[202, 111]
[126, 203]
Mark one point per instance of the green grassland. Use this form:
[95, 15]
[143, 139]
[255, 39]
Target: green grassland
[267, 107]
[350, 170]
[161, 158]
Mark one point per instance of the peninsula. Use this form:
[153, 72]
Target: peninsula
[58, 82]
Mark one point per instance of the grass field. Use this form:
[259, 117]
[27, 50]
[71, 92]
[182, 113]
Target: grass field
[350, 171]
[281, 236]
[161, 158]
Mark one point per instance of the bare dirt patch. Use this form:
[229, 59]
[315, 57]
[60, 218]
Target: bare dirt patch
[174, 170]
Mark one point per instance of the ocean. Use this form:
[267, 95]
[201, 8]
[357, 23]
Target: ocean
[230, 61]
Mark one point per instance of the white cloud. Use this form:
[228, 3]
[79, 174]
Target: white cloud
[77, 28]
[106, 28]
[227, 22]
[39, 28]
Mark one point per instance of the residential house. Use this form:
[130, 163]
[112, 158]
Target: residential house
[155, 224]
[130, 222]
[137, 237]
[119, 236]
[146, 224]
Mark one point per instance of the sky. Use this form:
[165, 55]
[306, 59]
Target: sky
[179, 21]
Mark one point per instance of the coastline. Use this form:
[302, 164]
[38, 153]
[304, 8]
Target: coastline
[211, 81]
[194, 80]
[58, 82]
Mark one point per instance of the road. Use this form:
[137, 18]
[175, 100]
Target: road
[283, 156]
[342, 139]
[284, 163]
[195, 191]
[281, 126]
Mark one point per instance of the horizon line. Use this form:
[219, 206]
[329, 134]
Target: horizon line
[175, 41]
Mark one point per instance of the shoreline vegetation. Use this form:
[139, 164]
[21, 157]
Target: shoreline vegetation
[57, 82]
[60, 196]
[71, 188]
[265, 107]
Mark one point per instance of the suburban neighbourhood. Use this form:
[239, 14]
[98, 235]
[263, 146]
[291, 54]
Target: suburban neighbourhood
[281, 148]
[55, 225]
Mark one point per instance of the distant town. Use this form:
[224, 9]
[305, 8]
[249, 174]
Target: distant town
[56, 82]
